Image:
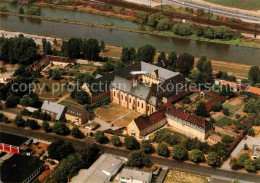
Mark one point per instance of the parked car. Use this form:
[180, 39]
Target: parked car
[245, 137]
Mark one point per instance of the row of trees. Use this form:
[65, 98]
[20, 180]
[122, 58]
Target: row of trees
[179, 150]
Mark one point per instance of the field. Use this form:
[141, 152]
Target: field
[242, 4]
[223, 122]
[55, 90]
[183, 177]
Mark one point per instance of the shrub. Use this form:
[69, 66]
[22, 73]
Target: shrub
[234, 164]
[246, 147]
[19, 121]
[33, 10]
[33, 124]
[226, 139]
[251, 132]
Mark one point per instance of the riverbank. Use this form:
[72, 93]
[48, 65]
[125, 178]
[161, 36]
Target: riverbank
[246, 42]
[239, 70]
[235, 42]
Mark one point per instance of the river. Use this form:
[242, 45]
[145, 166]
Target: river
[216, 51]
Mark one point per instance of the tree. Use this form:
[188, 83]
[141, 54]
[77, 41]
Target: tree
[21, 10]
[59, 149]
[80, 95]
[250, 165]
[217, 107]
[226, 139]
[56, 74]
[171, 61]
[257, 161]
[162, 57]
[163, 24]
[101, 138]
[33, 10]
[102, 46]
[154, 19]
[138, 159]
[201, 63]
[46, 126]
[89, 154]
[227, 90]
[186, 100]
[91, 49]
[116, 141]
[128, 55]
[213, 159]
[61, 128]
[131, 143]
[201, 110]
[246, 147]
[75, 132]
[226, 111]
[26, 100]
[146, 53]
[33, 124]
[200, 12]
[147, 147]
[254, 75]
[179, 152]
[72, 48]
[196, 156]
[185, 63]
[234, 164]
[251, 132]
[19, 121]
[48, 49]
[12, 101]
[163, 150]
[242, 158]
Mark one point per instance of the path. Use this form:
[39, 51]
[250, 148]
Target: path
[121, 117]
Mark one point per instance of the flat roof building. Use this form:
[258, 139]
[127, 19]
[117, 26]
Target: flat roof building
[103, 170]
[129, 175]
[12, 143]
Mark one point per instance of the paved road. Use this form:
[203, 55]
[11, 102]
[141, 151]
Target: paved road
[215, 10]
[118, 152]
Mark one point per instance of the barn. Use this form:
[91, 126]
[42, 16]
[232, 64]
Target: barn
[12, 143]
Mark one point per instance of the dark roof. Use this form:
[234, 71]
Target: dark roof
[75, 111]
[143, 122]
[190, 117]
[13, 140]
[19, 165]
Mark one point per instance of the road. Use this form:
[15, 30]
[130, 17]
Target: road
[192, 168]
[215, 10]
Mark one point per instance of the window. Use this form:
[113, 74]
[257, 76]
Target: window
[114, 93]
[125, 98]
[138, 104]
[142, 105]
[130, 100]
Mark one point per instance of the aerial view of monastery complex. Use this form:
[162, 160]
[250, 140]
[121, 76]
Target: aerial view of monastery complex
[130, 91]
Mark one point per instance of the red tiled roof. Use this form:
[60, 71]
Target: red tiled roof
[143, 122]
[190, 117]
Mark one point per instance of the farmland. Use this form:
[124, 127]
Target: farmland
[242, 4]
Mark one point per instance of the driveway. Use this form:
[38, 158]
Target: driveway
[250, 141]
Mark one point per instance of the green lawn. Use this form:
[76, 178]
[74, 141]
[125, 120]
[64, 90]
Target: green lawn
[242, 4]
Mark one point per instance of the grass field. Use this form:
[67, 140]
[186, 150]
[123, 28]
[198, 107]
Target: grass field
[183, 177]
[242, 4]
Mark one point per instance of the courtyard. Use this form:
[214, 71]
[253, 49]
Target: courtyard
[116, 114]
